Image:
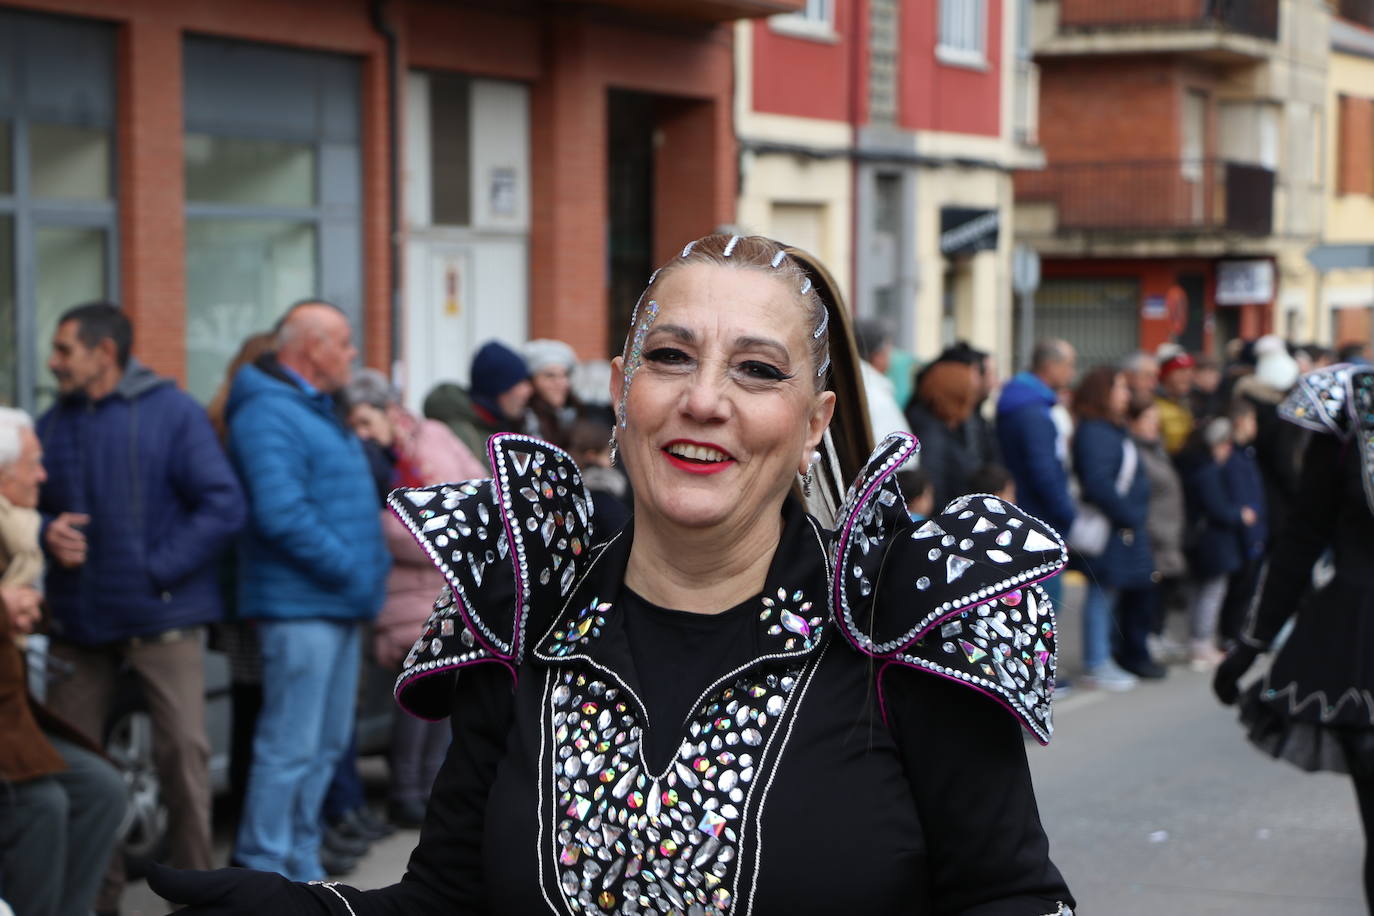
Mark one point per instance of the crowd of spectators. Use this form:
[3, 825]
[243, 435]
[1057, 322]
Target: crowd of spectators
[1167, 473]
[138, 528]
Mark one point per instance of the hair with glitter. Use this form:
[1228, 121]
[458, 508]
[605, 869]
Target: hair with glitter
[756, 253]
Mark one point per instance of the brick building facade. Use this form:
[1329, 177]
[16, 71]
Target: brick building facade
[1183, 179]
[205, 164]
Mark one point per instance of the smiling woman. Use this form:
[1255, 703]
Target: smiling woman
[693, 725]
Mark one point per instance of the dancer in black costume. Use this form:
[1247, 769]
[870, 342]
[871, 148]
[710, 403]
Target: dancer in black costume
[1314, 707]
[730, 706]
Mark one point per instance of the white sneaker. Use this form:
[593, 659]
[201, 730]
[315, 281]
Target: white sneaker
[1205, 656]
[1109, 676]
[1166, 650]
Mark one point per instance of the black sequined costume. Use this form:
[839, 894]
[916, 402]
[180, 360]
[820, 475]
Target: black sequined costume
[820, 768]
[1315, 705]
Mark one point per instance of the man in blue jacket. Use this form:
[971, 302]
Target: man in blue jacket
[312, 567]
[138, 504]
[1033, 448]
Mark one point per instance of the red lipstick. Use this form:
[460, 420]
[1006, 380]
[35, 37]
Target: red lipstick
[697, 467]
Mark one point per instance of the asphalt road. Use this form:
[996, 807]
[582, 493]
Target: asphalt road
[1155, 803]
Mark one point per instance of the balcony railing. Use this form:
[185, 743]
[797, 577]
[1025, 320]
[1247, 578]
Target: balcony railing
[1159, 196]
[1259, 18]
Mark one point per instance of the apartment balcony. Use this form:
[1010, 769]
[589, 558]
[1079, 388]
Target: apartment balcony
[1159, 199]
[1222, 31]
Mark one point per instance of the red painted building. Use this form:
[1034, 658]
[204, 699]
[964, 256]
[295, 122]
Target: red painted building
[205, 164]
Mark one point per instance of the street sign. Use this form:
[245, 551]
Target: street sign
[964, 230]
[1341, 257]
[1245, 282]
[1025, 270]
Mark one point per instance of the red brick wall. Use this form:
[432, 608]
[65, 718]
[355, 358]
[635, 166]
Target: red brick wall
[1125, 114]
[585, 57]
[807, 77]
[152, 225]
[480, 42]
[934, 95]
[1110, 110]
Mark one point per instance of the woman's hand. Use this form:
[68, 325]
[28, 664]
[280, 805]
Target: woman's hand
[228, 891]
[24, 605]
[1226, 682]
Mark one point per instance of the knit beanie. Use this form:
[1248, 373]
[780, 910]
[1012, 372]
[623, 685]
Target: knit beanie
[540, 354]
[1273, 364]
[496, 369]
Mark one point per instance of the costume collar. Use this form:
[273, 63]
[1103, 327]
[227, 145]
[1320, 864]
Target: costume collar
[792, 614]
[1338, 400]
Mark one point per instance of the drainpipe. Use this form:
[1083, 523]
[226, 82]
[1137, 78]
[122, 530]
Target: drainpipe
[383, 27]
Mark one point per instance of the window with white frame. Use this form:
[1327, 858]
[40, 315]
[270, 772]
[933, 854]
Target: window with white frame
[815, 17]
[821, 12]
[963, 31]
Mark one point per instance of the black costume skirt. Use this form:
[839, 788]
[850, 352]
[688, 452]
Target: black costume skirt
[1315, 705]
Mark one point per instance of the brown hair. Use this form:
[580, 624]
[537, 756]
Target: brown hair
[949, 391]
[1138, 408]
[1092, 399]
[253, 346]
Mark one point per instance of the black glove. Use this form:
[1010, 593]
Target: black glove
[227, 891]
[1226, 682]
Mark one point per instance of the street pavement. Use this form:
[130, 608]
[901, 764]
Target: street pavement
[1154, 803]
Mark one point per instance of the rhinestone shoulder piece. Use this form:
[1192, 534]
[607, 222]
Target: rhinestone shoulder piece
[1319, 401]
[955, 594]
[507, 546]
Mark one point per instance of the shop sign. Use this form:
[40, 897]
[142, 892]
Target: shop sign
[966, 230]
[1245, 282]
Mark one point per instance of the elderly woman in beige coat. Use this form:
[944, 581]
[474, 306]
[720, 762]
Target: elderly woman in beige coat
[423, 452]
[62, 803]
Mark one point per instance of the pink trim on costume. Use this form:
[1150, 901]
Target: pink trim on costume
[407, 680]
[843, 550]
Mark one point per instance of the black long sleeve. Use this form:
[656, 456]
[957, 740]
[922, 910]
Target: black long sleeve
[445, 873]
[1300, 542]
[966, 763]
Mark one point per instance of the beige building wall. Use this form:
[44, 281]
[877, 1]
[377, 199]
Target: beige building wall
[1349, 217]
[980, 306]
[798, 198]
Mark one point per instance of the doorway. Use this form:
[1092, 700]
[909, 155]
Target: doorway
[631, 120]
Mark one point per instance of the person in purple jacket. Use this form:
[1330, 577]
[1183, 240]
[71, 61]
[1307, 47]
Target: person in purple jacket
[138, 504]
